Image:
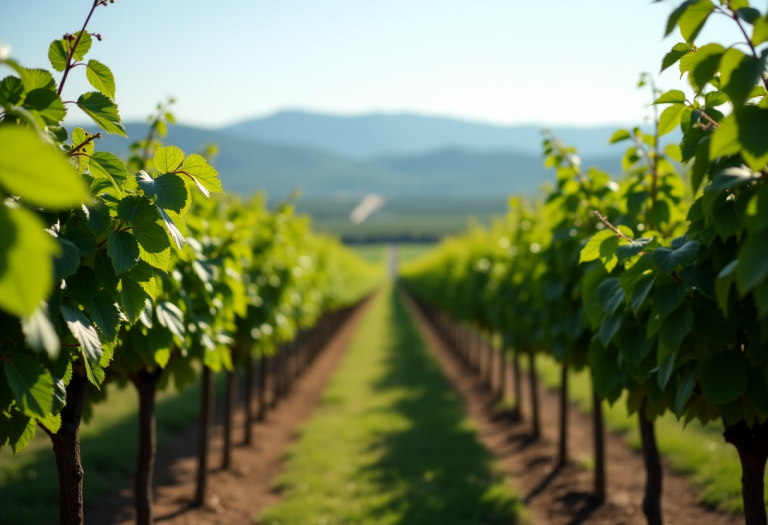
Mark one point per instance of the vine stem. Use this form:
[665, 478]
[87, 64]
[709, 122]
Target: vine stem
[74, 150]
[96, 3]
[613, 228]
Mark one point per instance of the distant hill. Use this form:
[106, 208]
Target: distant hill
[369, 136]
[247, 164]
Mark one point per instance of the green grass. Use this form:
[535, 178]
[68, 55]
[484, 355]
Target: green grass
[29, 482]
[411, 252]
[390, 442]
[697, 451]
[374, 253]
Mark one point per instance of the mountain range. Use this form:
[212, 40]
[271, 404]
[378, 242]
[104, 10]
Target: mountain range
[394, 155]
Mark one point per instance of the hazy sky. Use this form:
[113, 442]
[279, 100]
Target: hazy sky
[549, 62]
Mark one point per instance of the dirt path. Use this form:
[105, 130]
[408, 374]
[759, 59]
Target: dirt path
[238, 495]
[560, 497]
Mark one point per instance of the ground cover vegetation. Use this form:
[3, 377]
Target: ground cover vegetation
[390, 442]
[135, 273]
[657, 282]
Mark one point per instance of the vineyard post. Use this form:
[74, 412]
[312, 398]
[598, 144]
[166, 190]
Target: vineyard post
[230, 402]
[249, 394]
[262, 386]
[598, 428]
[516, 413]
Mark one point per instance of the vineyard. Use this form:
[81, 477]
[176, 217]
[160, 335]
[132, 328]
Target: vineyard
[597, 354]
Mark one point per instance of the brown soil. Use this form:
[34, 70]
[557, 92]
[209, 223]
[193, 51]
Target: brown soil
[562, 496]
[236, 496]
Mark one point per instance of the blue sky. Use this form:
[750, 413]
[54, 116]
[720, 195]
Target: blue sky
[556, 62]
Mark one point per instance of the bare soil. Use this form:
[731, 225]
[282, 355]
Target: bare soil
[236, 496]
[563, 496]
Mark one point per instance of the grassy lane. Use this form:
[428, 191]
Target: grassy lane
[390, 443]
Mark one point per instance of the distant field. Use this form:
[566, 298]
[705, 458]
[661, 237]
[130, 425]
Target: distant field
[402, 219]
[376, 252]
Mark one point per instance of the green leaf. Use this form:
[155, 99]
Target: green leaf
[725, 139]
[36, 171]
[666, 367]
[132, 297]
[103, 112]
[105, 272]
[724, 377]
[86, 244]
[105, 314]
[103, 165]
[151, 236]
[609, 327]
[39, 333]
[676, 326]
[47, 104]
[58, 55]
[101, 78]
[752, 122]
[685, 389]
[739, 73]
[753, 262]
[11, 91]
[82, 329]
[731, 178]
[31, 383]
[670, 118]
[167, 191]
[610, 295]
[171, 317]
[591, 250]
[37, 78]
[673, 96]
[723, 285]
[133, 208]
[173, 229]
[22, 431]
[674, 17]
[714, 99]
[123, 249]
[26, 261]
[168, 159]
[206, 178]
[760, 31]
[97, 216]
[693, 19]
[82, 285]
[668, 296]
[634, 247]
[68, 260]
[704, 65]
[678, 51]
[83, 45]
[640, 292]
[619, 135]
[670, 258]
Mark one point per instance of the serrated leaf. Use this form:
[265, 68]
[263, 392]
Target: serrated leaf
[673, 96]
[132, 297]
[22, 431]
[11, 91]
[82, 285]
[640, 292]
[724, 377]
[31, 383]
[85, 243]
[123, 249]
[103, 165]
[610, 295]
[96, 216]
[151, 237]
[82, 329]
[666, 367]
[47, 104]
[723, 285]
[685, 389]
[39, 332]
[133, 207]
[26, 265]
[105, 314]
[101, 78]
[68, 260]
[704, 65]
[739, 73]
[173, 230]
[634, 247]
[694, 17]
[168, 159]
[670, 118]
[37, 172]
[676, 326]
[753, 263]
[678, 51]
[167, 191]
[752, 122]
[669, 258]
[204, 175]
[58, 55]
[84, 42]
[105, 272]
[103, 112]
[667, 297]
[591, 250]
